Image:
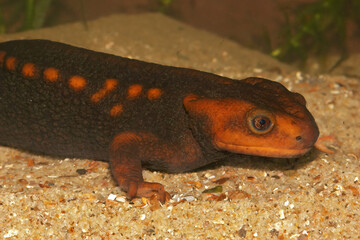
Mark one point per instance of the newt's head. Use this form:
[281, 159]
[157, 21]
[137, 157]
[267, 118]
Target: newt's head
[258, 117]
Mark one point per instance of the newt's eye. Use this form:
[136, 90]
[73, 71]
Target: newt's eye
[260, 121]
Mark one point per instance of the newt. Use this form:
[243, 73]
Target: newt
[65, 101]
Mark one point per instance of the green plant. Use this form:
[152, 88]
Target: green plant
[164, 5]
[31, 12]
[317, 29]
[36, 13]
[2, 22]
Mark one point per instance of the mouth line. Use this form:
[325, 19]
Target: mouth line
[263, 151]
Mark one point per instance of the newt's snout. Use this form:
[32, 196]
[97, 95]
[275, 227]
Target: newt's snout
[308, 135]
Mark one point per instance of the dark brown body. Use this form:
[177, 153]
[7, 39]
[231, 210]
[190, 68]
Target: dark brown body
[59, 100]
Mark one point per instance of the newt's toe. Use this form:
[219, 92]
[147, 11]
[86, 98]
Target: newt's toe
[147, 189]
[321, 144]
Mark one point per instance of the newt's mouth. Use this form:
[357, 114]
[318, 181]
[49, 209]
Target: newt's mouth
[263, 151]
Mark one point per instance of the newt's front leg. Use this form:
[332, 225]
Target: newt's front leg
[126, 154]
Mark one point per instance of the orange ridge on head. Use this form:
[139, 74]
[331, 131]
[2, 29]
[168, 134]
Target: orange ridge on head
[28, 70]
[134, 91]
[51, 74]
[77, 83]
[11, 63]
[116, 110]
[109, 85]
[154, 93]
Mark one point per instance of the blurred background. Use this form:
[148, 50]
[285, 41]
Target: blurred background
[298, 32]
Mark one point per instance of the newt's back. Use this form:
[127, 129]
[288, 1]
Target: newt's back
[66, 101]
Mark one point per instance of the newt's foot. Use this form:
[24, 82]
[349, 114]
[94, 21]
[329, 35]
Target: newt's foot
[321, 144]
[147, 189]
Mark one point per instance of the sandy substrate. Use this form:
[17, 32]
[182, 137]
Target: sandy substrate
[313, 197]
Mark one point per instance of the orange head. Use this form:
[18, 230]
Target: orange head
[259, 117]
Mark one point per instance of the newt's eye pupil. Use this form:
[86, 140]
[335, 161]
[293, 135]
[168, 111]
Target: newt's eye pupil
[261, 123]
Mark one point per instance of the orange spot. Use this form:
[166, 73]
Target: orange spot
[2, 57]
[11, 63]
[154, 93]
[110, 84]
[116, 110]
[134, 91]
[77, 83]
[51, 74]
[29, 70]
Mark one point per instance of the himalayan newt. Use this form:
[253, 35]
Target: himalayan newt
[60, 100]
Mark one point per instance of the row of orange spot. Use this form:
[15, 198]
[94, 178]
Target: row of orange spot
[78, 83]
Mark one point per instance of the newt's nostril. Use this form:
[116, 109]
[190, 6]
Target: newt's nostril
[298, 138]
